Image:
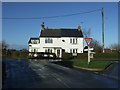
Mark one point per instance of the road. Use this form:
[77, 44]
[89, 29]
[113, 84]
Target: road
[43, 74]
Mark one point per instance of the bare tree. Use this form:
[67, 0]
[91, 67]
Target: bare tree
[96, 45]
[86, 33]
[4, 48]
[4, 45]
[115, 46]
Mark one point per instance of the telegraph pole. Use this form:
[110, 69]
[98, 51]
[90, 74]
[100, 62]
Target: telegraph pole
[103, 30]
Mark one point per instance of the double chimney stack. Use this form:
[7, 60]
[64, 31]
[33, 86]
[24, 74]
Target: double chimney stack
[43, 26]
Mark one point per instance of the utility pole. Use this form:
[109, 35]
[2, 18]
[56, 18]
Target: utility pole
[103, 30]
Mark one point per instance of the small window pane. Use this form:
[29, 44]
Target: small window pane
[70, 40]
[76, 40]
[76, 50]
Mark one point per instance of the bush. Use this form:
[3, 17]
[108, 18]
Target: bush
[23, 54]
[106, 56]
[67, 56]
[82, 56]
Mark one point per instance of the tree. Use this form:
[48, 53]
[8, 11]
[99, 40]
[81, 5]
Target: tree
[115, 46]
[86, 33]
[4, 48]
[4, 45]
[96, 45]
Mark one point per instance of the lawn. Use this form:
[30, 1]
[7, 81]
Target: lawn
[83, 63]
[92, 64]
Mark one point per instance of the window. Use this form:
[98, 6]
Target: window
[46, 50]
[76, 51]
[73, 51]
[35, 50]
[73, 40]
[76, 40]
[70, 40]
[45, 40]
[35, 41]
[48, 40]
[49, 50]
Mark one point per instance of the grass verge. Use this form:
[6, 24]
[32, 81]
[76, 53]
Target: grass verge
[95, 64]
[92, 64]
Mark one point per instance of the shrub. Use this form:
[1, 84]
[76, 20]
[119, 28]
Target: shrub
[106, 56]
[66, 56]
[82, 56]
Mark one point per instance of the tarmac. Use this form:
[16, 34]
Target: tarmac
[35, 73]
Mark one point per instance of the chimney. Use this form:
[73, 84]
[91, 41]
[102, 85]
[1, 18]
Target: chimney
[42, 25]
[79, 27]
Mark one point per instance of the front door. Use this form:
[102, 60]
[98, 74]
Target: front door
[58, 52]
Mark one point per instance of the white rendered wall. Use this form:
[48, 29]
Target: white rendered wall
[57, 42]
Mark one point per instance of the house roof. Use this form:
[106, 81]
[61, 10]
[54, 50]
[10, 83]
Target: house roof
[62, 32]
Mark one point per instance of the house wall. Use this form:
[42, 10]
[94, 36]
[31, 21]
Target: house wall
[57, 42]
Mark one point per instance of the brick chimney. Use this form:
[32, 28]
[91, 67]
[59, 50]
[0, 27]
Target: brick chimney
[43, 26]
[79, 27]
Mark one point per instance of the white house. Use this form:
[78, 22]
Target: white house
[57, 41]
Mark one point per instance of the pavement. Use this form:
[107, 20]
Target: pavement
[34, 73]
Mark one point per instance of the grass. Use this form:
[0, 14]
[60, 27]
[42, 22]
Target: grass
[92, 64]
[95, 64]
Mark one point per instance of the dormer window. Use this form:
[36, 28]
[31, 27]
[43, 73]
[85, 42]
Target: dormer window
[48, 40]
[34, 41]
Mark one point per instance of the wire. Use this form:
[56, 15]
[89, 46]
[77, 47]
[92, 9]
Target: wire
[55, 16]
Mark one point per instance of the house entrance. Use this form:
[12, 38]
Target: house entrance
[58, 52]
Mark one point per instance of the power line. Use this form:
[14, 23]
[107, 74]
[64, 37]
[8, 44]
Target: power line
[55, 16]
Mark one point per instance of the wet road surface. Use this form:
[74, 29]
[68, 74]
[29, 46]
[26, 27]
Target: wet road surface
[43, 74]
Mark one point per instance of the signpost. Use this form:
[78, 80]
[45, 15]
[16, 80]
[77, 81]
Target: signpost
[88, 41]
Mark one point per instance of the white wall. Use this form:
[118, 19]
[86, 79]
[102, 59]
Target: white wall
[57, 42]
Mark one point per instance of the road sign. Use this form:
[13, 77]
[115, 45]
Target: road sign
[88, 41]
[89, 49]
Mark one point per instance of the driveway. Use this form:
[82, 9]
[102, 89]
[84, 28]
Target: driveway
[43, 74]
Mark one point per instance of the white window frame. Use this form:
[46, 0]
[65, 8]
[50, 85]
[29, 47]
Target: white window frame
[74, 50]
[48, 40]
[48, 50]
[73, 40]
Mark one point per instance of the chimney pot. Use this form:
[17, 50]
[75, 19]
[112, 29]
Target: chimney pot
[43, 26]
[79, 27]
